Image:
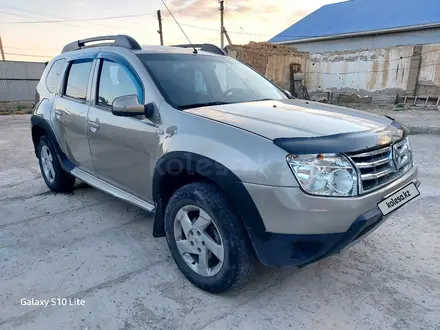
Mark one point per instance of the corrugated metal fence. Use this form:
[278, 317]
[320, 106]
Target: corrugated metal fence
[18, 80]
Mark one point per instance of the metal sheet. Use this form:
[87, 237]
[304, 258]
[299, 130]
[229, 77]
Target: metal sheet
[17, 90]
[350, 17]
[21, 70]
[18, 80]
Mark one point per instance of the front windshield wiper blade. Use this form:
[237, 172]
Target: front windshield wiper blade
[199, 105]
[260, 100]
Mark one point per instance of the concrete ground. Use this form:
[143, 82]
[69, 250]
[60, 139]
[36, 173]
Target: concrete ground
[90, 246]
[418, 120]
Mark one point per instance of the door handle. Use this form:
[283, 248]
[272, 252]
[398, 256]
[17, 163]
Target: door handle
[93, 126]
[58, 114]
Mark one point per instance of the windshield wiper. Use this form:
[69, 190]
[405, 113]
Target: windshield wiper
[260, 100]
[199, 105]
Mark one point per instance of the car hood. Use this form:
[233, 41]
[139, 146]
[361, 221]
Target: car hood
[303, 119]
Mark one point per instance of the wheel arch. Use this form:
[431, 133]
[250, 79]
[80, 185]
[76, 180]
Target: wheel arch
[40, 127]
[178, 168]
[37, 133]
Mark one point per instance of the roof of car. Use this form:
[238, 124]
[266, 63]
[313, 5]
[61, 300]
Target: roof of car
[153, 49]
[115, 42]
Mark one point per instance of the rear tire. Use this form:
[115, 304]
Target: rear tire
[53, 174]
[199, 220]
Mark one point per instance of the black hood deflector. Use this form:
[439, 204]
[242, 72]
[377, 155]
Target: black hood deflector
[344, 142]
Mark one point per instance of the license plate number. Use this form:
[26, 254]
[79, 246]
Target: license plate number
[398, 199]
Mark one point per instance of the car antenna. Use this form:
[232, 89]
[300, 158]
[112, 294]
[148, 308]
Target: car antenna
[195, 50]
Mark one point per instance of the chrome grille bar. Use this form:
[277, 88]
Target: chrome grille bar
[373, 163]
[377, 168]
[371, 153]
[373, 176]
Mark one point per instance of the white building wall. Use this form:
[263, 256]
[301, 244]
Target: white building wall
[360, 72]
[429, 75]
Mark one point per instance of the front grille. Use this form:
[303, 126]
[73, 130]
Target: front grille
[378, 167]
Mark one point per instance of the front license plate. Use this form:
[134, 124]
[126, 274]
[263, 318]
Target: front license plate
[398, 199]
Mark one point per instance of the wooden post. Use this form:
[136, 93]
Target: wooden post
[1, 49]
[222, 38]
[159, 18]
[227, 36]
[292, 80]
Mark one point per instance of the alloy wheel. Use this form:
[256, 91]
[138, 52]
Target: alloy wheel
[47, 163]
[198, 240]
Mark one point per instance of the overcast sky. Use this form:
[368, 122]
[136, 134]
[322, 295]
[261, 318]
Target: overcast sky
[256, 20]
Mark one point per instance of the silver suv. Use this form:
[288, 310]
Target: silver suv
[233, 168]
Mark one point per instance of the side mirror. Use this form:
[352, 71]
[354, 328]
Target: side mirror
[129, 106]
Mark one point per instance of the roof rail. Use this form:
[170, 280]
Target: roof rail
[116, 40]
[204, 47]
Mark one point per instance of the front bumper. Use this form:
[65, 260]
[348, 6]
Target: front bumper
[288, 210]
[301, 250]
[301, 229]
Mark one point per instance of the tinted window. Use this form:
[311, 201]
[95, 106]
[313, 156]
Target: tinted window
[54, 75]
[115, 81]
[188, 81]
[78, 79]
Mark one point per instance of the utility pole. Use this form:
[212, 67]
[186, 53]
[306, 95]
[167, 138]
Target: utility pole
[227, 36]
[222, 37]
[1, 49]
[159, 18]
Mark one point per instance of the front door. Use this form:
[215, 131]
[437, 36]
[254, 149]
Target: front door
[122, 147]
[70, 109]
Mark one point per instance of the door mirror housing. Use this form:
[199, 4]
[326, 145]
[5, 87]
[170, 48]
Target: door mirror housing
[128, 106]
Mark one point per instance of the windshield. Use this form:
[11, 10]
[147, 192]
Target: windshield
[188, 80]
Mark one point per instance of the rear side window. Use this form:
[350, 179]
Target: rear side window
[78, 79]
[116, 80]
[54, 75]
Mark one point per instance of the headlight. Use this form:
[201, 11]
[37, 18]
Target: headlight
[327, 174]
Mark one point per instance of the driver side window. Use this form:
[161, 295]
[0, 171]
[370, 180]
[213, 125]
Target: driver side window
[116, 80]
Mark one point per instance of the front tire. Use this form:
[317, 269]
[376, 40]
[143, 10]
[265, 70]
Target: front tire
[55, 177]
[207, 239]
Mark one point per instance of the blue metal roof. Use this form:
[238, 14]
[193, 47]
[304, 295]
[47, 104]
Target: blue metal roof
[357, 16]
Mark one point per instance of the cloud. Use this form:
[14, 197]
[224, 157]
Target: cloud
[208, 9]
[246, 20]
[199, 9]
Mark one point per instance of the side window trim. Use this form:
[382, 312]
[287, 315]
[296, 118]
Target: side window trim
[96, 82]
[126, 64]
[62, 69]
[65, 77]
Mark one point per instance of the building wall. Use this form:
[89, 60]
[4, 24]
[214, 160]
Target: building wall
[429, 75]
[17, 90]
[18, 80]
[273, 61]
[416, 37]
[360, 72]
[278, 68]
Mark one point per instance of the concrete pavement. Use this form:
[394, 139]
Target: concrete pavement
[90, 246]
[418, 120]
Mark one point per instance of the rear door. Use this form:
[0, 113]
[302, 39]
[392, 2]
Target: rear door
[70, 108]
[122, 147]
